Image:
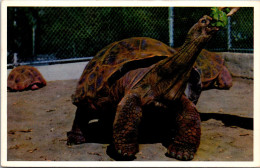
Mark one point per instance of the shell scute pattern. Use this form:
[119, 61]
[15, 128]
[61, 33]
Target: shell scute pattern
[210, 64]
[99, 81]
[90, 66]
[24, 77]
[82, 80]
[112, 59]
[144, 44]
[91, 77]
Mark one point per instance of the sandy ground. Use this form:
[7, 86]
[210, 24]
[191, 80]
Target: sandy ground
[38, 122]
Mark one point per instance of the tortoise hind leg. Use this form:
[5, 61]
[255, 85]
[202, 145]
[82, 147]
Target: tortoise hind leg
[76, 135]
[187, 139]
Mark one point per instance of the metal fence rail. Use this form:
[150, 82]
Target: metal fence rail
[65, 34]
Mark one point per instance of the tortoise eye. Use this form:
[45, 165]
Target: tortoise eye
[203, 21]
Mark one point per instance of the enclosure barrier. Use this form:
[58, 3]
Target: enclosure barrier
[50, 35]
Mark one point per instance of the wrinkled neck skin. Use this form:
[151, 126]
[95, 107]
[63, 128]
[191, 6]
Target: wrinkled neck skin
[189, 51]
[168, 79]
[178, 67]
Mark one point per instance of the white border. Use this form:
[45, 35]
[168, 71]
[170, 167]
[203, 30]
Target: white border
[4, 162]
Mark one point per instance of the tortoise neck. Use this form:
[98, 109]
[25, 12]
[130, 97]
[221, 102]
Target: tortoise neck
[173, 73]
[184, 58]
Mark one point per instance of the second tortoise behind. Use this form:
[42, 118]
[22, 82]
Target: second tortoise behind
[129, 75]
[214, 74]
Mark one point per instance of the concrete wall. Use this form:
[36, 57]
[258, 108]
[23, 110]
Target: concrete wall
[239, 64]
[61, 71]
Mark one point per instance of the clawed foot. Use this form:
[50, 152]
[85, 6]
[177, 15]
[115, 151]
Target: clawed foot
[75, 138]
[123, 152]
[180, 152]
[126, 150]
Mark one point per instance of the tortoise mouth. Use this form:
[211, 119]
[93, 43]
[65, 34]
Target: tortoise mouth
[211, 30]
[207, 27]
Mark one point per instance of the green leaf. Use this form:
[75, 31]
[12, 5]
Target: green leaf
[219, 24]
[219, 17]
[227, 10]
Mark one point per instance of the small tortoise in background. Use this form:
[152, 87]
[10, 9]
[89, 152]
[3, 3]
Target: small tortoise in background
[128, 76]
[213, 72]
[25, 78]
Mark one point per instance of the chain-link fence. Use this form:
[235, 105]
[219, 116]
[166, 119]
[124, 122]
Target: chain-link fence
[53, 34]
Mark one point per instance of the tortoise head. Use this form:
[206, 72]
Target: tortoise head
[202, 31]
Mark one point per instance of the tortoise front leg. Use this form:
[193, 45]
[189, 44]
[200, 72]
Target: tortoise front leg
[187, 139]
[125, 127]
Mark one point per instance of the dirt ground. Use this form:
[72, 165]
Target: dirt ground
[38, 122]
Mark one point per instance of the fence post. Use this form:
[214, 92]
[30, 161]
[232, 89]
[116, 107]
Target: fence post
[34, 25]
[229, 40]
[15, 58]
[171, 26]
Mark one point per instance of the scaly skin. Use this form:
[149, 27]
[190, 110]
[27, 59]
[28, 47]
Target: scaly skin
[126, 123]
[187, 140]
[158, 84]
[166, 81]
[128, 117]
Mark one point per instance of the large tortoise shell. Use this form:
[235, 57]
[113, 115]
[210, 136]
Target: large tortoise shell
[209, 64]
[125, 55]
[23, 77]
[115, 59]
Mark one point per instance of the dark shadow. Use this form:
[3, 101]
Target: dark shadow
[98, 133]
[229, 120]
[150, 131]
[156, 128]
